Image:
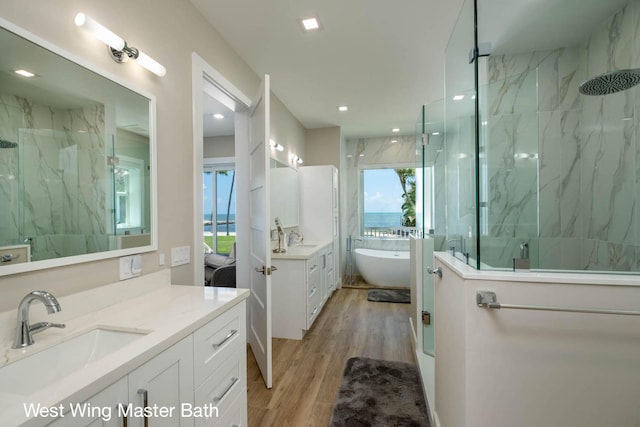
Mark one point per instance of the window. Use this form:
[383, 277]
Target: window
[219, 198]
[129, 192]
[388, 202]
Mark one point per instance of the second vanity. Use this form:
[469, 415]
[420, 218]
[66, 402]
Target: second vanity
[300, 287]
[164, 354]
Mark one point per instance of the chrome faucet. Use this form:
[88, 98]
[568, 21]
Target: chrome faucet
[25, 331]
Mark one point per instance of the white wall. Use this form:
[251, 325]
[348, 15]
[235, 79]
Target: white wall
[169, 31]
[219, 146]
[287, 131]
[504, 368]
[323, 146]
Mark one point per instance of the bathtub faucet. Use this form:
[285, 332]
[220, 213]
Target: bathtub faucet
[350, 241]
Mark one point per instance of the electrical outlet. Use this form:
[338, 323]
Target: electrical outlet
[180, 255]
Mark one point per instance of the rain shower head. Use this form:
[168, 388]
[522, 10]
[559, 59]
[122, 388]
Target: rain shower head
[611, 82]
[7, 144]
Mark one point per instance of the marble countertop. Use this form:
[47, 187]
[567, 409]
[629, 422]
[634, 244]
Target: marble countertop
[303, 251]
[168, 314]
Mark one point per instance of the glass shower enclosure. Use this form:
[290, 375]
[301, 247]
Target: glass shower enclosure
[535, 168]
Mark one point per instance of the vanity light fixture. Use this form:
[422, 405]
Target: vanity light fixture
[218, 116]
[117, 46]
[294, 158]
[24, 73]
[275, 145]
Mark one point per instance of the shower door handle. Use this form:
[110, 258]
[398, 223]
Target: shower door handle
[437, 271]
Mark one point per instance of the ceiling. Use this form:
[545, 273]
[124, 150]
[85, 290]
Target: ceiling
[382, 60]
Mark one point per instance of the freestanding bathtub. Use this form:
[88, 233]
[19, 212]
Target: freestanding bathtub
[384, 268]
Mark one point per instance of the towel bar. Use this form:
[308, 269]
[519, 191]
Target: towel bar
[488, 299]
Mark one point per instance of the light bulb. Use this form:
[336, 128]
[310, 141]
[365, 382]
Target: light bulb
[100, 32]
[151, 64]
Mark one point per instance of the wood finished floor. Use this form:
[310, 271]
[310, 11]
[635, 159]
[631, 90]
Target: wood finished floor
[307, 373]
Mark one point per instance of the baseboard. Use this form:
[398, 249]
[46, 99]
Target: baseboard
[427, 371]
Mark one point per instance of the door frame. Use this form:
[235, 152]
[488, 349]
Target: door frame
[205, 78]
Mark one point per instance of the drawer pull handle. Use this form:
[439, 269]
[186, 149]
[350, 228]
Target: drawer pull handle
[315, 310]
[145, 403]
[313, 291]
[234, 380]
[227, 338]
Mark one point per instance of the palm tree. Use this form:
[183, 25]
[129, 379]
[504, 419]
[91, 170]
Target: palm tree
[233, 179]
[407, 178]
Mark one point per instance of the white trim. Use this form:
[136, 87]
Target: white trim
[228, 94]
[219, 161]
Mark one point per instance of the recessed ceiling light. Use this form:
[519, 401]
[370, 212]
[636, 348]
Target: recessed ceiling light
[310, 24]
[24, 73]
[435, 133]
[218, 116]
[458, 97]
[361, 155]
[393, 141]
[395, 130]
[349, 156]
[343, 108]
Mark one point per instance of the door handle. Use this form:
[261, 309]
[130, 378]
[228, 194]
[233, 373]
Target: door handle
[266, 270]
[437, 271]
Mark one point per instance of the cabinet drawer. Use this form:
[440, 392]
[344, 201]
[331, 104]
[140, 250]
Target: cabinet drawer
[213, 342]
[225, 384]
[314, 304]
[313, 266]
[233, 416]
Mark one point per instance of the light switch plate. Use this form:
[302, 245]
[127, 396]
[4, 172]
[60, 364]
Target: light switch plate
[180, 256]
[130, 266]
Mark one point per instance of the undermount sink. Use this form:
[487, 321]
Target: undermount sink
[28, 375]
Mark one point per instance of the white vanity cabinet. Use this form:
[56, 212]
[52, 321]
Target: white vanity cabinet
[107, 413]
[166, 381]
[299, 289]
[206, 369]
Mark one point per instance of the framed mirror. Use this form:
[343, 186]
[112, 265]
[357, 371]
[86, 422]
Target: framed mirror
[284, 194]
[77, 159]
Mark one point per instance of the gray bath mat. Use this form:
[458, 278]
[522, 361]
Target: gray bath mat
[389, 295]
[379, 393]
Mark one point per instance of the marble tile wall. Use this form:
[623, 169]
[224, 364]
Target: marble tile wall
[367, 152]
[584, 165]
[60, 198]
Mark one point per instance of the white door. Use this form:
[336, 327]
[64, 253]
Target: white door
[259, 333]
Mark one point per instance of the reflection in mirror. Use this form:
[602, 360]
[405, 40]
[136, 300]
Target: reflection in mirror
[284, 194]
[75, 161]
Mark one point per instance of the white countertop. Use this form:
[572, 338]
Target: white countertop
[169, 313]
[303, 251]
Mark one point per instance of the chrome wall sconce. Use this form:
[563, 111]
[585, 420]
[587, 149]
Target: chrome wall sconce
[275, 145]
[294, 158]
[117, 46]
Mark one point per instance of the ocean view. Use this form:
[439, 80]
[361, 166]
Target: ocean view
[371, 219]
[383, 219]
[220, 220]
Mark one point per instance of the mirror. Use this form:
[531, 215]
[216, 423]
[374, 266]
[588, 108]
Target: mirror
[76, 160]
[284, 194]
